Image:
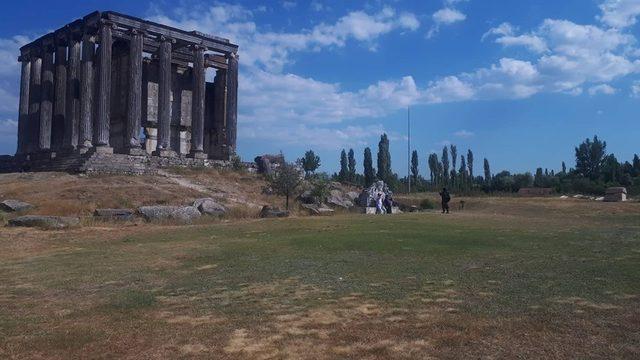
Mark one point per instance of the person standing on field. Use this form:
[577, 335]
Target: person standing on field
[446, 197]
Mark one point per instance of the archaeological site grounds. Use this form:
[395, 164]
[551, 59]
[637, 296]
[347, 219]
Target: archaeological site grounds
[129, 229]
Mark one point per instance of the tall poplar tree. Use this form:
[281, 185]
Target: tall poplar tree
[470, 164]
[352, 166]
[445, 165]
[487, 172]
[369, 172]
[343, 175]
[384, 159]
[414, 166]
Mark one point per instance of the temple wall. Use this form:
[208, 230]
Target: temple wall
[181, 99]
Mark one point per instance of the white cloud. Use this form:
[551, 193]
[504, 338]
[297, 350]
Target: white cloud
[619, 13]
[272, 50]
[293, 108]
[316, 137]
[464, 134]
[288, 5]
[603, 89]
[448, 16]
[635, 89]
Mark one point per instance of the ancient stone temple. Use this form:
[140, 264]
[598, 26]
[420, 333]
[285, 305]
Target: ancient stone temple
[111, 90]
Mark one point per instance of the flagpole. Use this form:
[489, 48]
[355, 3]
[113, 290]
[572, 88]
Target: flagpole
[409, 148]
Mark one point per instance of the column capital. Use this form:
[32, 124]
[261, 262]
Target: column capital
[107, 23]
[134, 31]
[163, 38]
[24, 57]
[197, 47]
[232, 55]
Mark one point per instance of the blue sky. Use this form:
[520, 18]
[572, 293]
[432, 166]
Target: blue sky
[519, 82]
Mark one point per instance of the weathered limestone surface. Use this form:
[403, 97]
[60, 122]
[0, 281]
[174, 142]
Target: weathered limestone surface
[208, 206]
[179, 213]
[45, 222]
[11, 205]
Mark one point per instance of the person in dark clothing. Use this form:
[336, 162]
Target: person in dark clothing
[388, 203]
[446, 197]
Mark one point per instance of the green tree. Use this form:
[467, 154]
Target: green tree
[636, 165]
[454, 159]
[414, 167]
[433, 168]
[611, 169]
[352, 166]
[463, 172]
[343, 175]
[369, 171]
[470, 163]
[564, 168]
[310, 162]
[384, 160]
[590, 157]
[445, 165]
[538, 180]
[285, 181]
[487, 172]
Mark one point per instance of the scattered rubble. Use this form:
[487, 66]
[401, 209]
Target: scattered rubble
[11, 205]
[208, 206]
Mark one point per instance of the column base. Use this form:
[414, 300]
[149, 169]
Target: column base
[68, 150]
[84, 149]
[198, 155]
[103, 149]
[43, 155]
[136, 152]
[165, 153]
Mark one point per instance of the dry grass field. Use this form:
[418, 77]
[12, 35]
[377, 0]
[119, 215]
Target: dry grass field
[505, 278]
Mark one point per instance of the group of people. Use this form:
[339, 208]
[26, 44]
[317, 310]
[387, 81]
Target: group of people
[384, 203]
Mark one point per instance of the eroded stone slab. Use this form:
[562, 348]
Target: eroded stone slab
[11, 205]
[45, 222]
[180, 213]
[114, 214]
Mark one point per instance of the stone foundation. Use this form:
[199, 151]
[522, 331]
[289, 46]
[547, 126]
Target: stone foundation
[104, 163]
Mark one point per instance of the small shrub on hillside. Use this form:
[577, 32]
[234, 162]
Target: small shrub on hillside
[321, 190]
[236, 163]
[427, 204]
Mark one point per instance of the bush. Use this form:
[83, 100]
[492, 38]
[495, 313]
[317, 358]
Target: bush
[427, 204]
[236, 163]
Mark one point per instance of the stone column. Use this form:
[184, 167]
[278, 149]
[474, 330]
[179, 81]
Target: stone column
[46, 100]
[232, 103]
[72, 117]
[197, 103]
[134, 102]
[58, 126]
[35, 89]
[164, 99]
[218, 147]
[103, 101]
[85, 133]
[23, 109]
